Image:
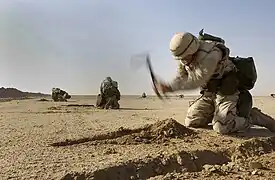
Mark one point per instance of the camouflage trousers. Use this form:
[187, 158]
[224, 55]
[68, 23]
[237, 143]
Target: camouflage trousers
[112, 103]
[220, 110]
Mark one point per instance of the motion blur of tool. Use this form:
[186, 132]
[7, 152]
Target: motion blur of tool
[139, 59]
[154, 80]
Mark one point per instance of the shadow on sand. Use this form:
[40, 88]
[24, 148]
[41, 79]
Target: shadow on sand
[79, 105]
[136, 109]
[255, 131]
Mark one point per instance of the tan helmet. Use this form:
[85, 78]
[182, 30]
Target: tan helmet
[183, 44]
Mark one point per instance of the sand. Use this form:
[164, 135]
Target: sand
[145, 139]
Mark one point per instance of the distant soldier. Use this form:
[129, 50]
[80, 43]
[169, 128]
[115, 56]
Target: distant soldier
[109, 94]
[143, 95]
[105, 86]
[181, 96]
[59, 95]
[113, 96]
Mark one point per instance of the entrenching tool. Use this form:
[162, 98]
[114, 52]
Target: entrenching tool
[147, 59]
[149, 66]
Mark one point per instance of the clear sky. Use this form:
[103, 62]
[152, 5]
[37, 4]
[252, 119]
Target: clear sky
[75, 44]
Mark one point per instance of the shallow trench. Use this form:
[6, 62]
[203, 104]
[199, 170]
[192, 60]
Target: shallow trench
[180, 162]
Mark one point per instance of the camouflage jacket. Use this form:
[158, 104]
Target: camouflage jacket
[211, 60]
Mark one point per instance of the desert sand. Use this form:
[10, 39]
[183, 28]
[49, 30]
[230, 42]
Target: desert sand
[145, 139]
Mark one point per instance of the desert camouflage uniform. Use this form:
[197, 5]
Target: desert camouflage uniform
[60, 95]
[109, 94]
[113, 97]
[210, 62]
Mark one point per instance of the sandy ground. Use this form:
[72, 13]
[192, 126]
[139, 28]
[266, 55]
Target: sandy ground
[48, 140]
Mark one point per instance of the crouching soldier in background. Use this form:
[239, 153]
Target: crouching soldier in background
[109, 94]
[113, 97]
[59, 95]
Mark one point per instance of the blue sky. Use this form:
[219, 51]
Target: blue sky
[75, 44]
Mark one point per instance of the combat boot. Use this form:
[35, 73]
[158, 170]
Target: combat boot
[261, 119]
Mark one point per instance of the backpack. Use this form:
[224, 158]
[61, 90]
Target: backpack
[246, 72]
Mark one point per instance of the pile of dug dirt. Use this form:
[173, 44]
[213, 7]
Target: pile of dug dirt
[15, 93]
[158, 132]
[165, 129]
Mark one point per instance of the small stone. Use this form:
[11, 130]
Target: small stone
[209, 168]
[241, 169]
[138, 139]
[179, 160]
[146, 141]
[255, 172]
[256, 165]
[238, 176]
[194, 157]
[231, 165]
[171, 132]
[110, 151]
[143, 134]
[164, 161]
[260, 173]
[225, 168]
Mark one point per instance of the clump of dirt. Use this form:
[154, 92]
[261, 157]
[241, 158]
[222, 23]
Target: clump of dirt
[75, 176]
[43, 100]
[169, 128]
[158, 132]
[79, 105]
[253, 147]
[54, 108]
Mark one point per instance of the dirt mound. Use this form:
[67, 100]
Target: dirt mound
[15, 93]
[158, 132]
[169, 128]
[253, 147]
